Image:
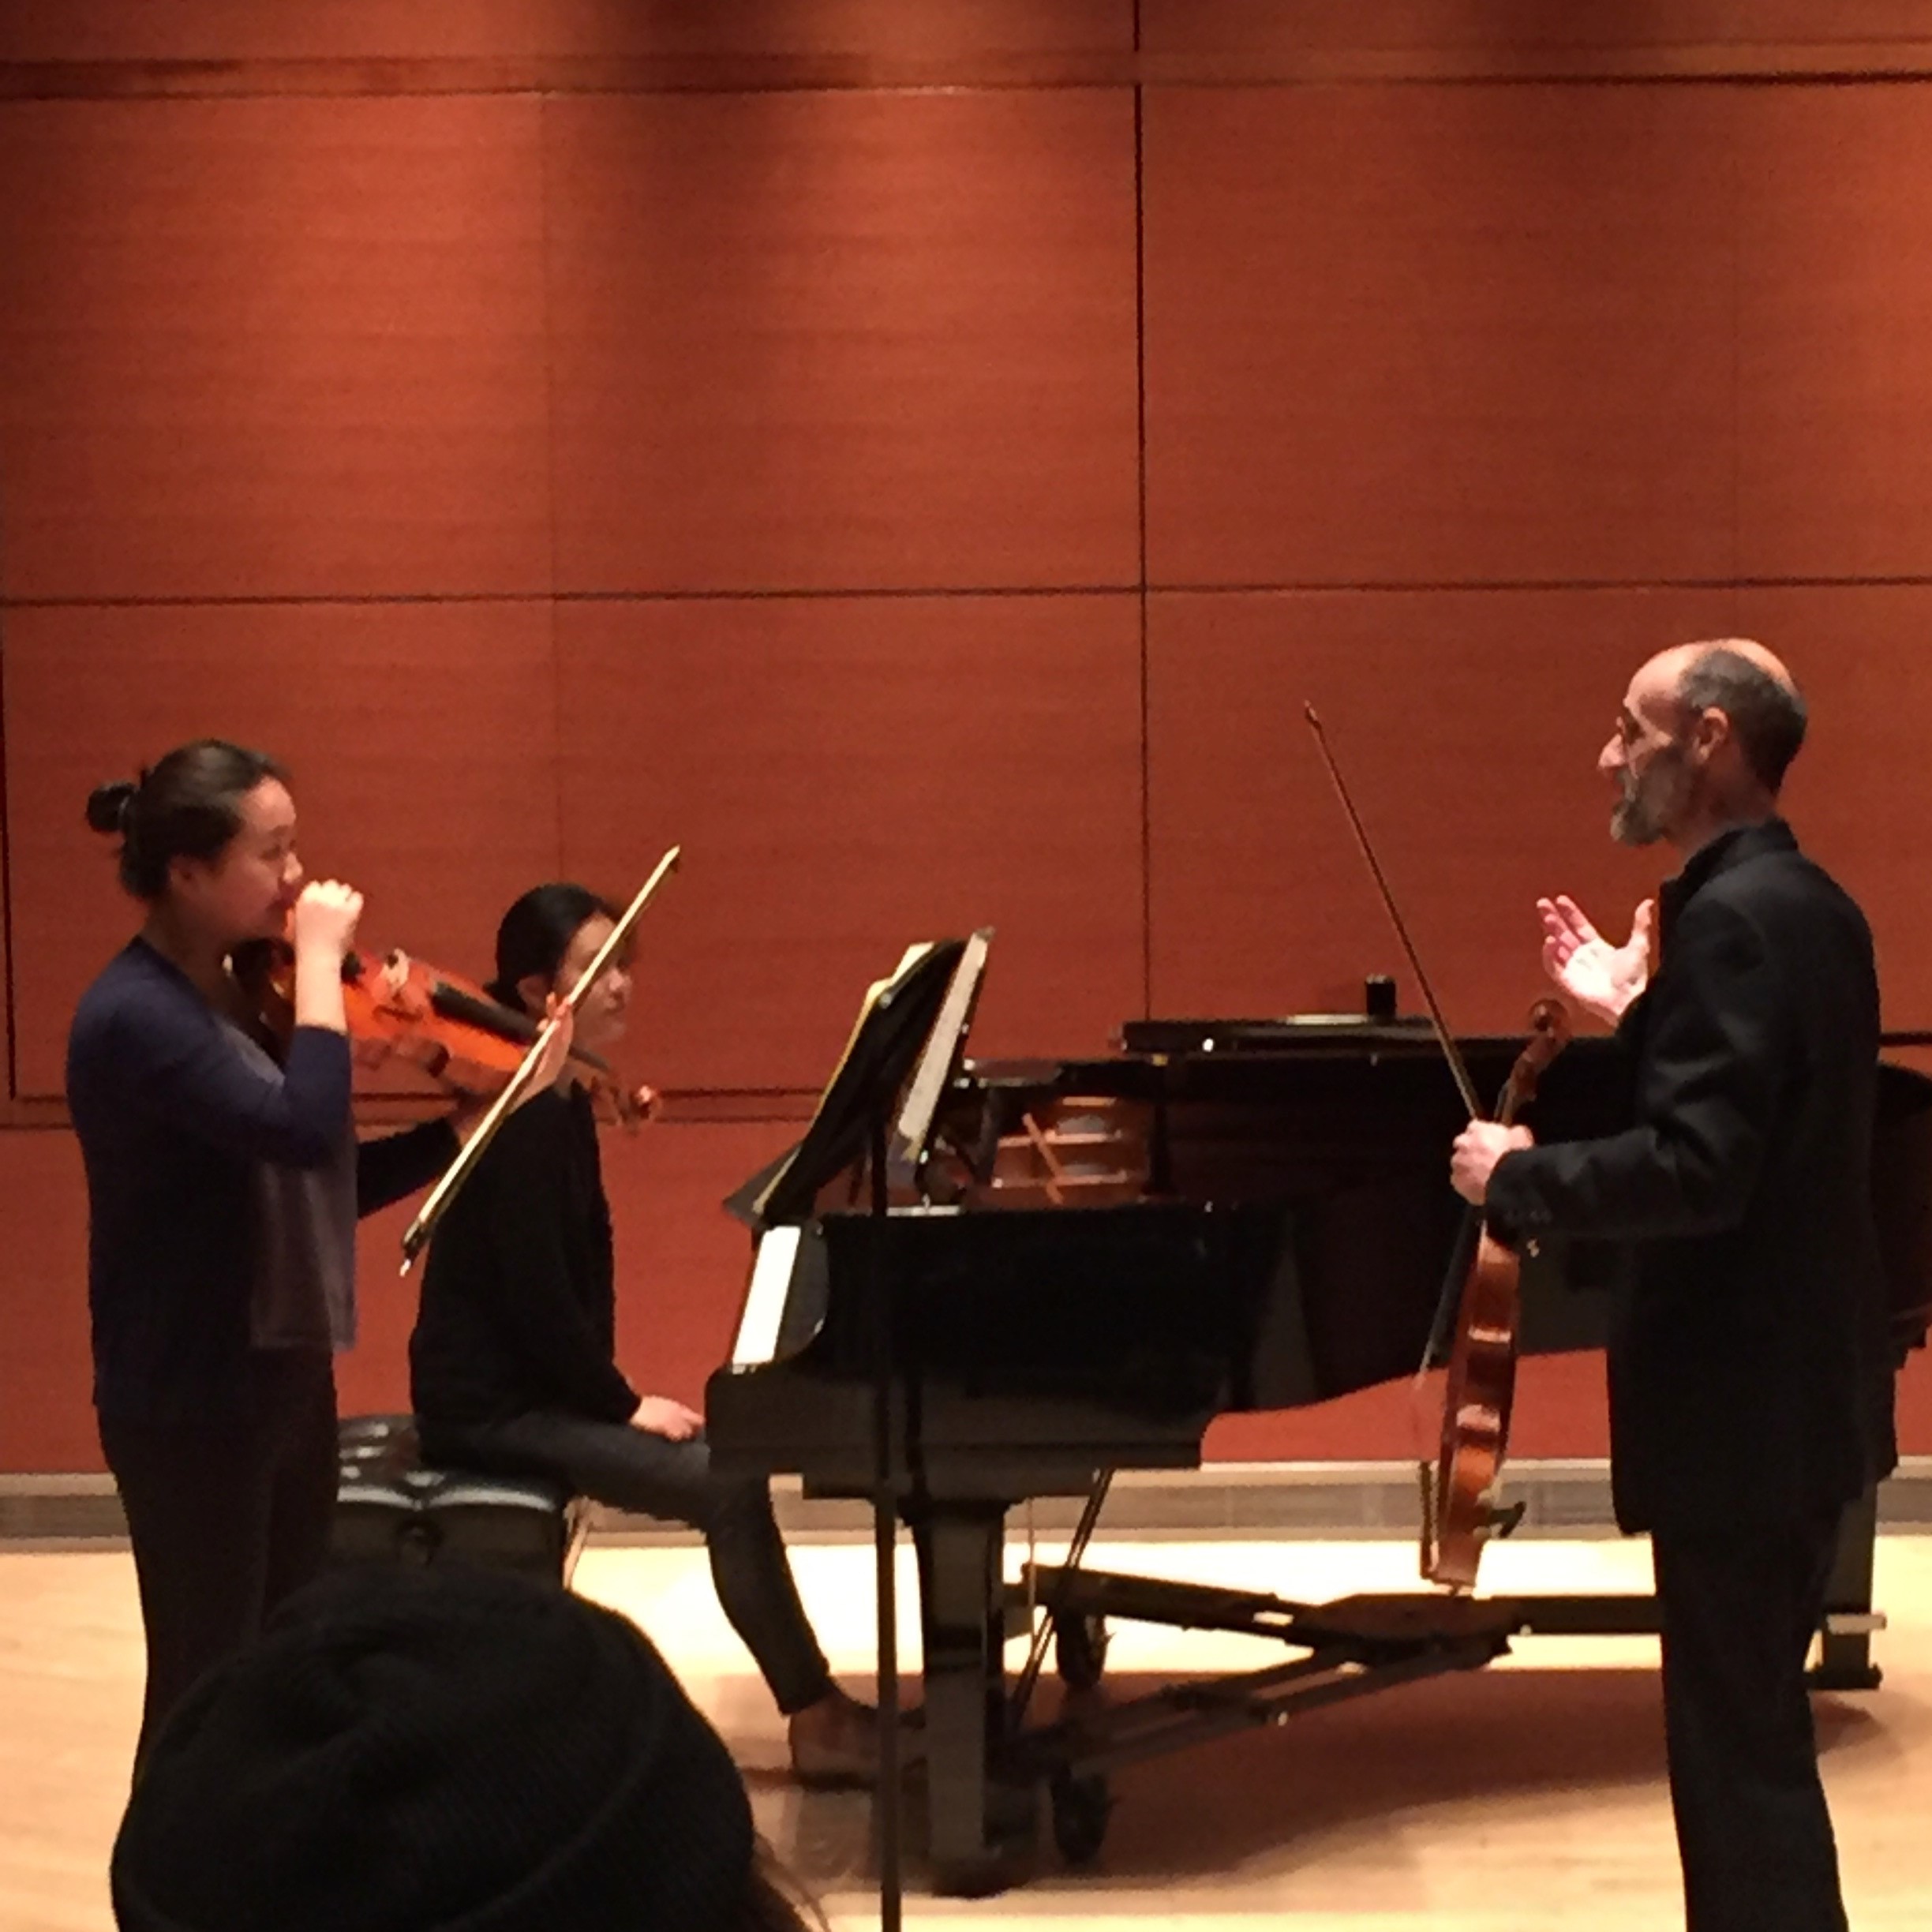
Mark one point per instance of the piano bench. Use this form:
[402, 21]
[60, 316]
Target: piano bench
[392, 1508]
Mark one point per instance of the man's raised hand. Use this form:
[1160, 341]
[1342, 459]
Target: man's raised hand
[1602, 978]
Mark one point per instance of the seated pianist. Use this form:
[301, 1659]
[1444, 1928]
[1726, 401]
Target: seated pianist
[512, 1362]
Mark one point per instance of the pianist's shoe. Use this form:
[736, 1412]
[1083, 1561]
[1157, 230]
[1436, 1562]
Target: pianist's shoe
[835, 1743]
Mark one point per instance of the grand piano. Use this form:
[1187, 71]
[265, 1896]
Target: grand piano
[1084, 1263]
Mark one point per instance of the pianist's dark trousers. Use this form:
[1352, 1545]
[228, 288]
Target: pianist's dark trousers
[632, 1469]
[1737, 1610]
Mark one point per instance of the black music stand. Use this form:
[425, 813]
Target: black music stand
[896, 1032]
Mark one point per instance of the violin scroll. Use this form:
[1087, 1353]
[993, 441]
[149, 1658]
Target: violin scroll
[1550, 1030]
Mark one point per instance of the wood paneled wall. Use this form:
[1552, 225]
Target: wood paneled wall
[920, 455]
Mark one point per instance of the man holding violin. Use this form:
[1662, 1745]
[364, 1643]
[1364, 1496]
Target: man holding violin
[1750, 1384]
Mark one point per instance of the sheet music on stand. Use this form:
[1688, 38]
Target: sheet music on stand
[888, 1040]
[939, 1065]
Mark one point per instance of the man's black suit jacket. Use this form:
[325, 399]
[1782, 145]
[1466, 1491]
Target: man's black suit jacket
[1749, 1382]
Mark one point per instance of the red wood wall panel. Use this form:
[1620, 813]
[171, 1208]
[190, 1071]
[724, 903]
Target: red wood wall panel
[430, 29]
[1506, 28]
[1561, 1409]
[934, 29]
[847, 776]
[1834, 343]
[47, 1412]
[6, 941]
[373, 429]
[1467, 725]
[262, 348]
[245, 29]
[1860, 794]
[844, 341]
[1438, 334]
[422, 737]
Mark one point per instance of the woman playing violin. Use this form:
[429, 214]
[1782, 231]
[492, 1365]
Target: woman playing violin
[513, 1363]
[224, 1180]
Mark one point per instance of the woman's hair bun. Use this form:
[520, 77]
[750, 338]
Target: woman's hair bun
[187, 805]
[108, 805]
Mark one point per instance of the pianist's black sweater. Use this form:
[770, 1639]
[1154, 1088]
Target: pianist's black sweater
[519, 1311]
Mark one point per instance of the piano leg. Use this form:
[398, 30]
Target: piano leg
[1844, 1645]
[980, 1826]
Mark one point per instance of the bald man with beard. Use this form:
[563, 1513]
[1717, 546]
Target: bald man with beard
[1750, 1374]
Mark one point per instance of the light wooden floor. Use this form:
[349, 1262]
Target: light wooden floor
[1525, 1797]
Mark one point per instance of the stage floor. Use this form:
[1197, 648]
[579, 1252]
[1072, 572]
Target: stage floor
[1523, 1797]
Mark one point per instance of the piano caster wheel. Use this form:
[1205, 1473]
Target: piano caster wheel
[1081, 1806]
[1079, 1651]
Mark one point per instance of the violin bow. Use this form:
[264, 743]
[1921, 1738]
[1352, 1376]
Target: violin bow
[415, 1236]
[1451, 1052]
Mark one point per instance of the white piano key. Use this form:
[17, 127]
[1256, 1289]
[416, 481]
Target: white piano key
[765, 1299]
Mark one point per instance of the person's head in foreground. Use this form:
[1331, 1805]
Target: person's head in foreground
[444, 1750]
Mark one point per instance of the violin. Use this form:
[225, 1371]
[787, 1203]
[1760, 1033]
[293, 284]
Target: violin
[405, 1009]
[1460, 1512]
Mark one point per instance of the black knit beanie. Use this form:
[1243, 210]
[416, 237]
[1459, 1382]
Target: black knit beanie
[442, 1749]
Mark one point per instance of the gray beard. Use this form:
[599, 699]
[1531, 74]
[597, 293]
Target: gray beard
[1631, 823]
[1638, 816]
